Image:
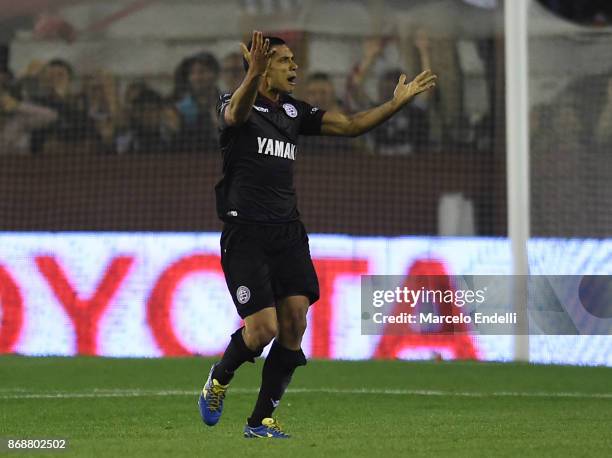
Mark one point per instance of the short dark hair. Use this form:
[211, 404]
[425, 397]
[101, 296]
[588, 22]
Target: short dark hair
[61, 63]
[207, 60]
[182, 70]
[274, 41]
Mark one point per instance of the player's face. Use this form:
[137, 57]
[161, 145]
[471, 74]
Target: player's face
[281, 75]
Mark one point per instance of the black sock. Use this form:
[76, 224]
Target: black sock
[235, 354]
[277, 371]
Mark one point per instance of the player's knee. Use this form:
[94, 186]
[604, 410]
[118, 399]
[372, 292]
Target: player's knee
[299, 325]
[294, 324]
[262, 334]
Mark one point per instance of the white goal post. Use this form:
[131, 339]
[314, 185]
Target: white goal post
[517, 160]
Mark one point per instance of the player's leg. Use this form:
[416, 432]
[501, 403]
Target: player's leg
[284, 357]
[296, 287]
[246, 343]
[291, 313]
[248, 278]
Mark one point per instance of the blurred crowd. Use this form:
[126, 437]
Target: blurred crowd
[571, 141]
[48, 108]
[45, 111]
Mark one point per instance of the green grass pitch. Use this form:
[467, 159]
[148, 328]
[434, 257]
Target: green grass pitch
[147, 408]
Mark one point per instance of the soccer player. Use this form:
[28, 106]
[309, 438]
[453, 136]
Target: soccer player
[264, 246]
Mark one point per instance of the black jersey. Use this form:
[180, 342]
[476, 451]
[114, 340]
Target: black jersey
[259, 157]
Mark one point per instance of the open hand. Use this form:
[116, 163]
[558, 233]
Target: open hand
[260, 54]
[403, 92]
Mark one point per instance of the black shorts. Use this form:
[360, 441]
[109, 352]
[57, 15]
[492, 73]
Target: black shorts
[266, 263]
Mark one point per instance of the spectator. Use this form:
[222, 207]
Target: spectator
[357, 97]
[320, 93]
[103, 107]
[18, 120]
[29, 84]
[232, 71]
[405, 133]
[73, 129]
[170, 117]
[147, 131]
[558, 173]
[486, 45]
[56, 79]
[196, 95]
[132, 91]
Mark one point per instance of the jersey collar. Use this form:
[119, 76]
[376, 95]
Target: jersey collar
[264, 101]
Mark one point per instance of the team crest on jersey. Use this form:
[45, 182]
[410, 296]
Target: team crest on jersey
[243, 294]
[290, 110]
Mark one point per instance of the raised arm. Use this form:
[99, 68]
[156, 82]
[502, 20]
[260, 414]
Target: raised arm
[422, 44]
[341, 124]
[356, 97]
[258, 58]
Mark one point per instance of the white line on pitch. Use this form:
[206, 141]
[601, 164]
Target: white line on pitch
[118, 393]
